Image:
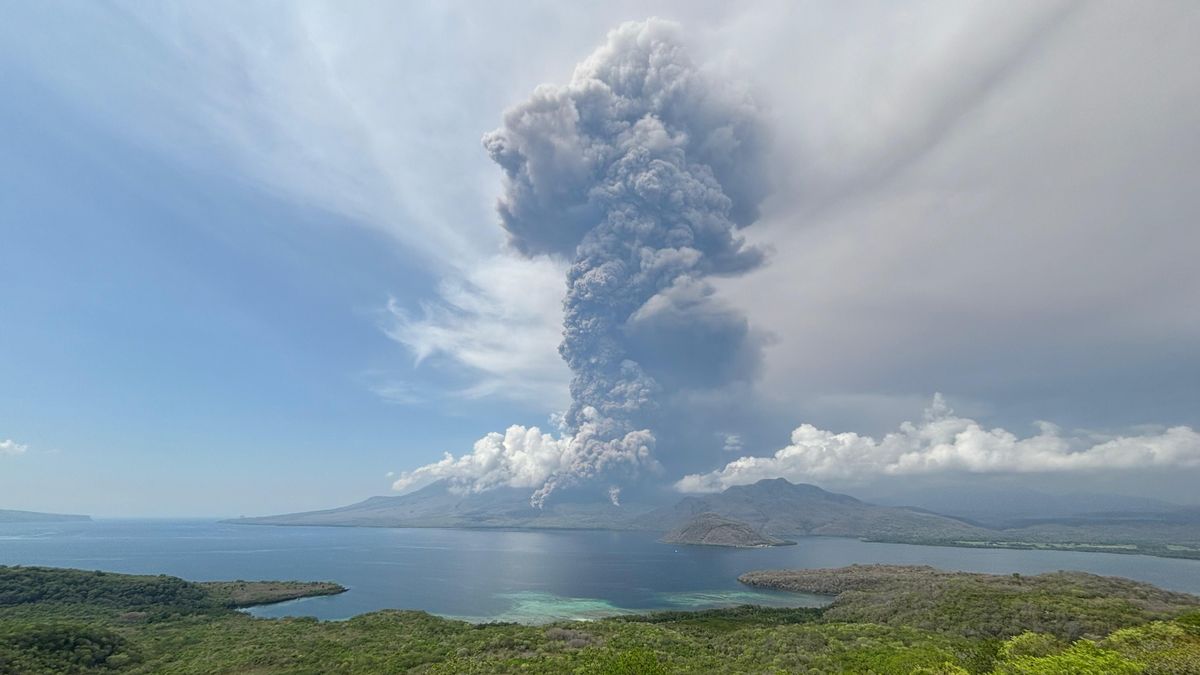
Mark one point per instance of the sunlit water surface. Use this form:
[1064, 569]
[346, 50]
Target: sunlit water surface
[506, 575]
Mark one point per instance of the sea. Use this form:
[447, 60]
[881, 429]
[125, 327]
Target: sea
[527, 576]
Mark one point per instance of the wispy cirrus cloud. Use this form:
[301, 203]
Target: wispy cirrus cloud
[501, 322]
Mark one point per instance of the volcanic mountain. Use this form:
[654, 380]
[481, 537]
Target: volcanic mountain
[768, 507]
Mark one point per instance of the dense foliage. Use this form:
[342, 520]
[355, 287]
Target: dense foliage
[252, 593]
[45, 586]
[63, 621]
[1068, 605]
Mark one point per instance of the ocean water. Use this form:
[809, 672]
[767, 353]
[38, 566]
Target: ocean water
[506, 575]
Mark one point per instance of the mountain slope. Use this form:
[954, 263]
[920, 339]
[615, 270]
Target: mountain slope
[436, 506]
[709, 529]
[1015, 506]
[778, 507]
[769, 507]
[9, 516]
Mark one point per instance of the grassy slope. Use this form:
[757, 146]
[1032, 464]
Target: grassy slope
[62, 621]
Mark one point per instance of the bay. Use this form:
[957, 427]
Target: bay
[530, 576]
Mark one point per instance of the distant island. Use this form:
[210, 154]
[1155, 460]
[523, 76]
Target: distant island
[774, 508]
[710, 529]
[883, 619]
[11, 516]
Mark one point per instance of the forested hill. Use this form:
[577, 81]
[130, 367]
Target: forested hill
[884, 620]
[709, 529]
[1067, 604]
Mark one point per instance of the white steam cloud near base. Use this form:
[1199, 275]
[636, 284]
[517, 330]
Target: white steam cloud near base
[945, 442]
[527, 457]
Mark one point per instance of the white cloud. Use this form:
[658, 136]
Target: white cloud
[732, 443]
[395, 391]
[527, 457]
[502, 321]
[614, 495]
[945, 442]
[520, 457]
[9, 447]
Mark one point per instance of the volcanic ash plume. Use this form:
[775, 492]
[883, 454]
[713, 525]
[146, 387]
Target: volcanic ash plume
[640, 170]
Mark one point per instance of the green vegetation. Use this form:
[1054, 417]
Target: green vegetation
[1068, 605]
[254, 593]
[1092, 539]
[710, 529]
[66, 621]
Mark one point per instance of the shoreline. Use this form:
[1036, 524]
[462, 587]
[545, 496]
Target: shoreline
[1126, 548]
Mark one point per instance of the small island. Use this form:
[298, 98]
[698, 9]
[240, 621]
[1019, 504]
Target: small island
[710, 529]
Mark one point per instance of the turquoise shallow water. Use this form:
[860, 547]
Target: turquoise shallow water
[505, 575]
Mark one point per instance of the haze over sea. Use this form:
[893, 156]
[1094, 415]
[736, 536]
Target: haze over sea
[506, 575]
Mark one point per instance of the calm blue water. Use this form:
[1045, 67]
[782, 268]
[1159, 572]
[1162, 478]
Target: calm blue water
[509, 575]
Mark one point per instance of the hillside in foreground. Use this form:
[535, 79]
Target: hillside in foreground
[68, 621]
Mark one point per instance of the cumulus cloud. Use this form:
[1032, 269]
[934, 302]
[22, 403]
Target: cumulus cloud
[528, 457]
[10, 448]
[732, 443]
[945, 442]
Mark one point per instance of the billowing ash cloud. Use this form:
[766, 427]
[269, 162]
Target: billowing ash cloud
[11, 447]
[944, 442]
[640, 170]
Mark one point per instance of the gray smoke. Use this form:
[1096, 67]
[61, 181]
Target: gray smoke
[642, 170]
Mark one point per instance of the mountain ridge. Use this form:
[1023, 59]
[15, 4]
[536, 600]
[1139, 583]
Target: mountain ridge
[17, 516]
[771, 507]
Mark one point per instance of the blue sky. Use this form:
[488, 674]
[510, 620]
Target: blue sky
[251, 263]
[175, 333]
